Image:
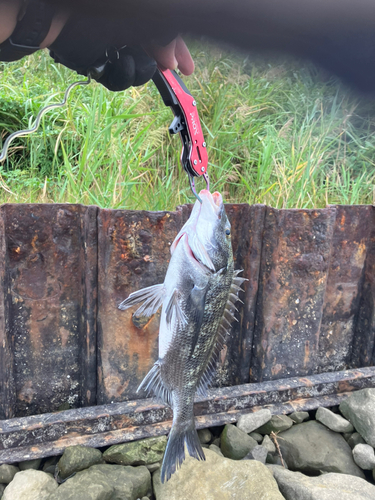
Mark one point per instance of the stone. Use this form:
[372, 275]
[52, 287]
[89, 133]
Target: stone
[217, 441]
[255, 435]
[251, 421]
[30, 464]
[77, 458]
[278, 423]
[299, 416]
[30, 485]
[142, 452]
[331, 486]
[333, 421]
[355, 439]
[268, 444]
[236, 444]
[2, 488]
[275, 459]
[106, 482]
[364, 456]
[310, 447]
[215, 449]
[204, 435]
[218, 478]
[7, 473]
[347, 435]
[153, 467]
[257, 453]
[359, 409]
[50, 464]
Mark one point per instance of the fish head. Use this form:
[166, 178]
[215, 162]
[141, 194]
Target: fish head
[208, 232]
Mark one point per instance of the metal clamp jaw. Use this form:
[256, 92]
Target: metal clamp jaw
[186, 122]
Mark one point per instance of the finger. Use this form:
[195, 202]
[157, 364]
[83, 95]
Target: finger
[164, 56]
[183, 56]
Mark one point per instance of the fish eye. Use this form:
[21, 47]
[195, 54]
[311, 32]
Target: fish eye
[227, 232]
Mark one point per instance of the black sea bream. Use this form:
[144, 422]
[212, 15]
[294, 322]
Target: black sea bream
[197, 297]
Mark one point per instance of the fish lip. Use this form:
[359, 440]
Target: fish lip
[211, 207]
[215, 199]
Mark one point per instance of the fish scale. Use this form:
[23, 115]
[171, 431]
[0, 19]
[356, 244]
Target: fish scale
[198, 306]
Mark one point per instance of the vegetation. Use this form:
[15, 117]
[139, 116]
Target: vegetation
[278, 132]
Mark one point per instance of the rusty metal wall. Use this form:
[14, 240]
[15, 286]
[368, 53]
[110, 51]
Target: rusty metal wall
[308, 305]
[49, 294]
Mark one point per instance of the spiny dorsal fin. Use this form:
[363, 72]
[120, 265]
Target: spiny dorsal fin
[226, 321]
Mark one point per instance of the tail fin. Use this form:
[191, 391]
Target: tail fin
[175, 451]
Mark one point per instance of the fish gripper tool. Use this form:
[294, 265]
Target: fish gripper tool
[186, 122]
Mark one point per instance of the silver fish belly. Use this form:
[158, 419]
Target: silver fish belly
[197, 299]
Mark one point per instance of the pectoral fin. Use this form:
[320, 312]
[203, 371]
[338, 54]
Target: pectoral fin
[152, 298]
[174, 308]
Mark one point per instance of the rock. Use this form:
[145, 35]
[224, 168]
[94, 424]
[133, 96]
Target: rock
[355, 439]
[255, 435]
[268, 444]
[333, 421]
[278, 423]
[299, 416]
[142, 452]
[30, 464]
[106, 482]
[273, 458]
[257, 453]
[236, 444]
[153, 467]
[331, 486]
[216, 449]
[311, 447]
[77, 458]
[218, 478]
[217, 441]
[2, 488]
[251, 421]
[359, 408]
[7, 473]
[30, 485]
[364, 456]
[204, 435]
[347, 435]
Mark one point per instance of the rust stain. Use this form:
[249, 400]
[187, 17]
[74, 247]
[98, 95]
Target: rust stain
[64, 335]
[27, 392]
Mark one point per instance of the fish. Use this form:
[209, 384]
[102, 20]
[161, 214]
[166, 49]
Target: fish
[198, 299]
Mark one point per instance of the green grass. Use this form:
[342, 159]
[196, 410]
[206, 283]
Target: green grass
[277, 133]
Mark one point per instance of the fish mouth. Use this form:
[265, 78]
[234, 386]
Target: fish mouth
[214, 200]
[205, 215]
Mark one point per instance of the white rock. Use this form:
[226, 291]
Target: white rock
[218, 478]
[251, 421]
[331, 486]
[30, 485]
[364, 456]
[333, 421]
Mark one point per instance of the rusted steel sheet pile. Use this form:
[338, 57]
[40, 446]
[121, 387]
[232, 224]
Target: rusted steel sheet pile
[308, 309]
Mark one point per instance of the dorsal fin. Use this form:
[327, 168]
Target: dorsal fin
[226, 320]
